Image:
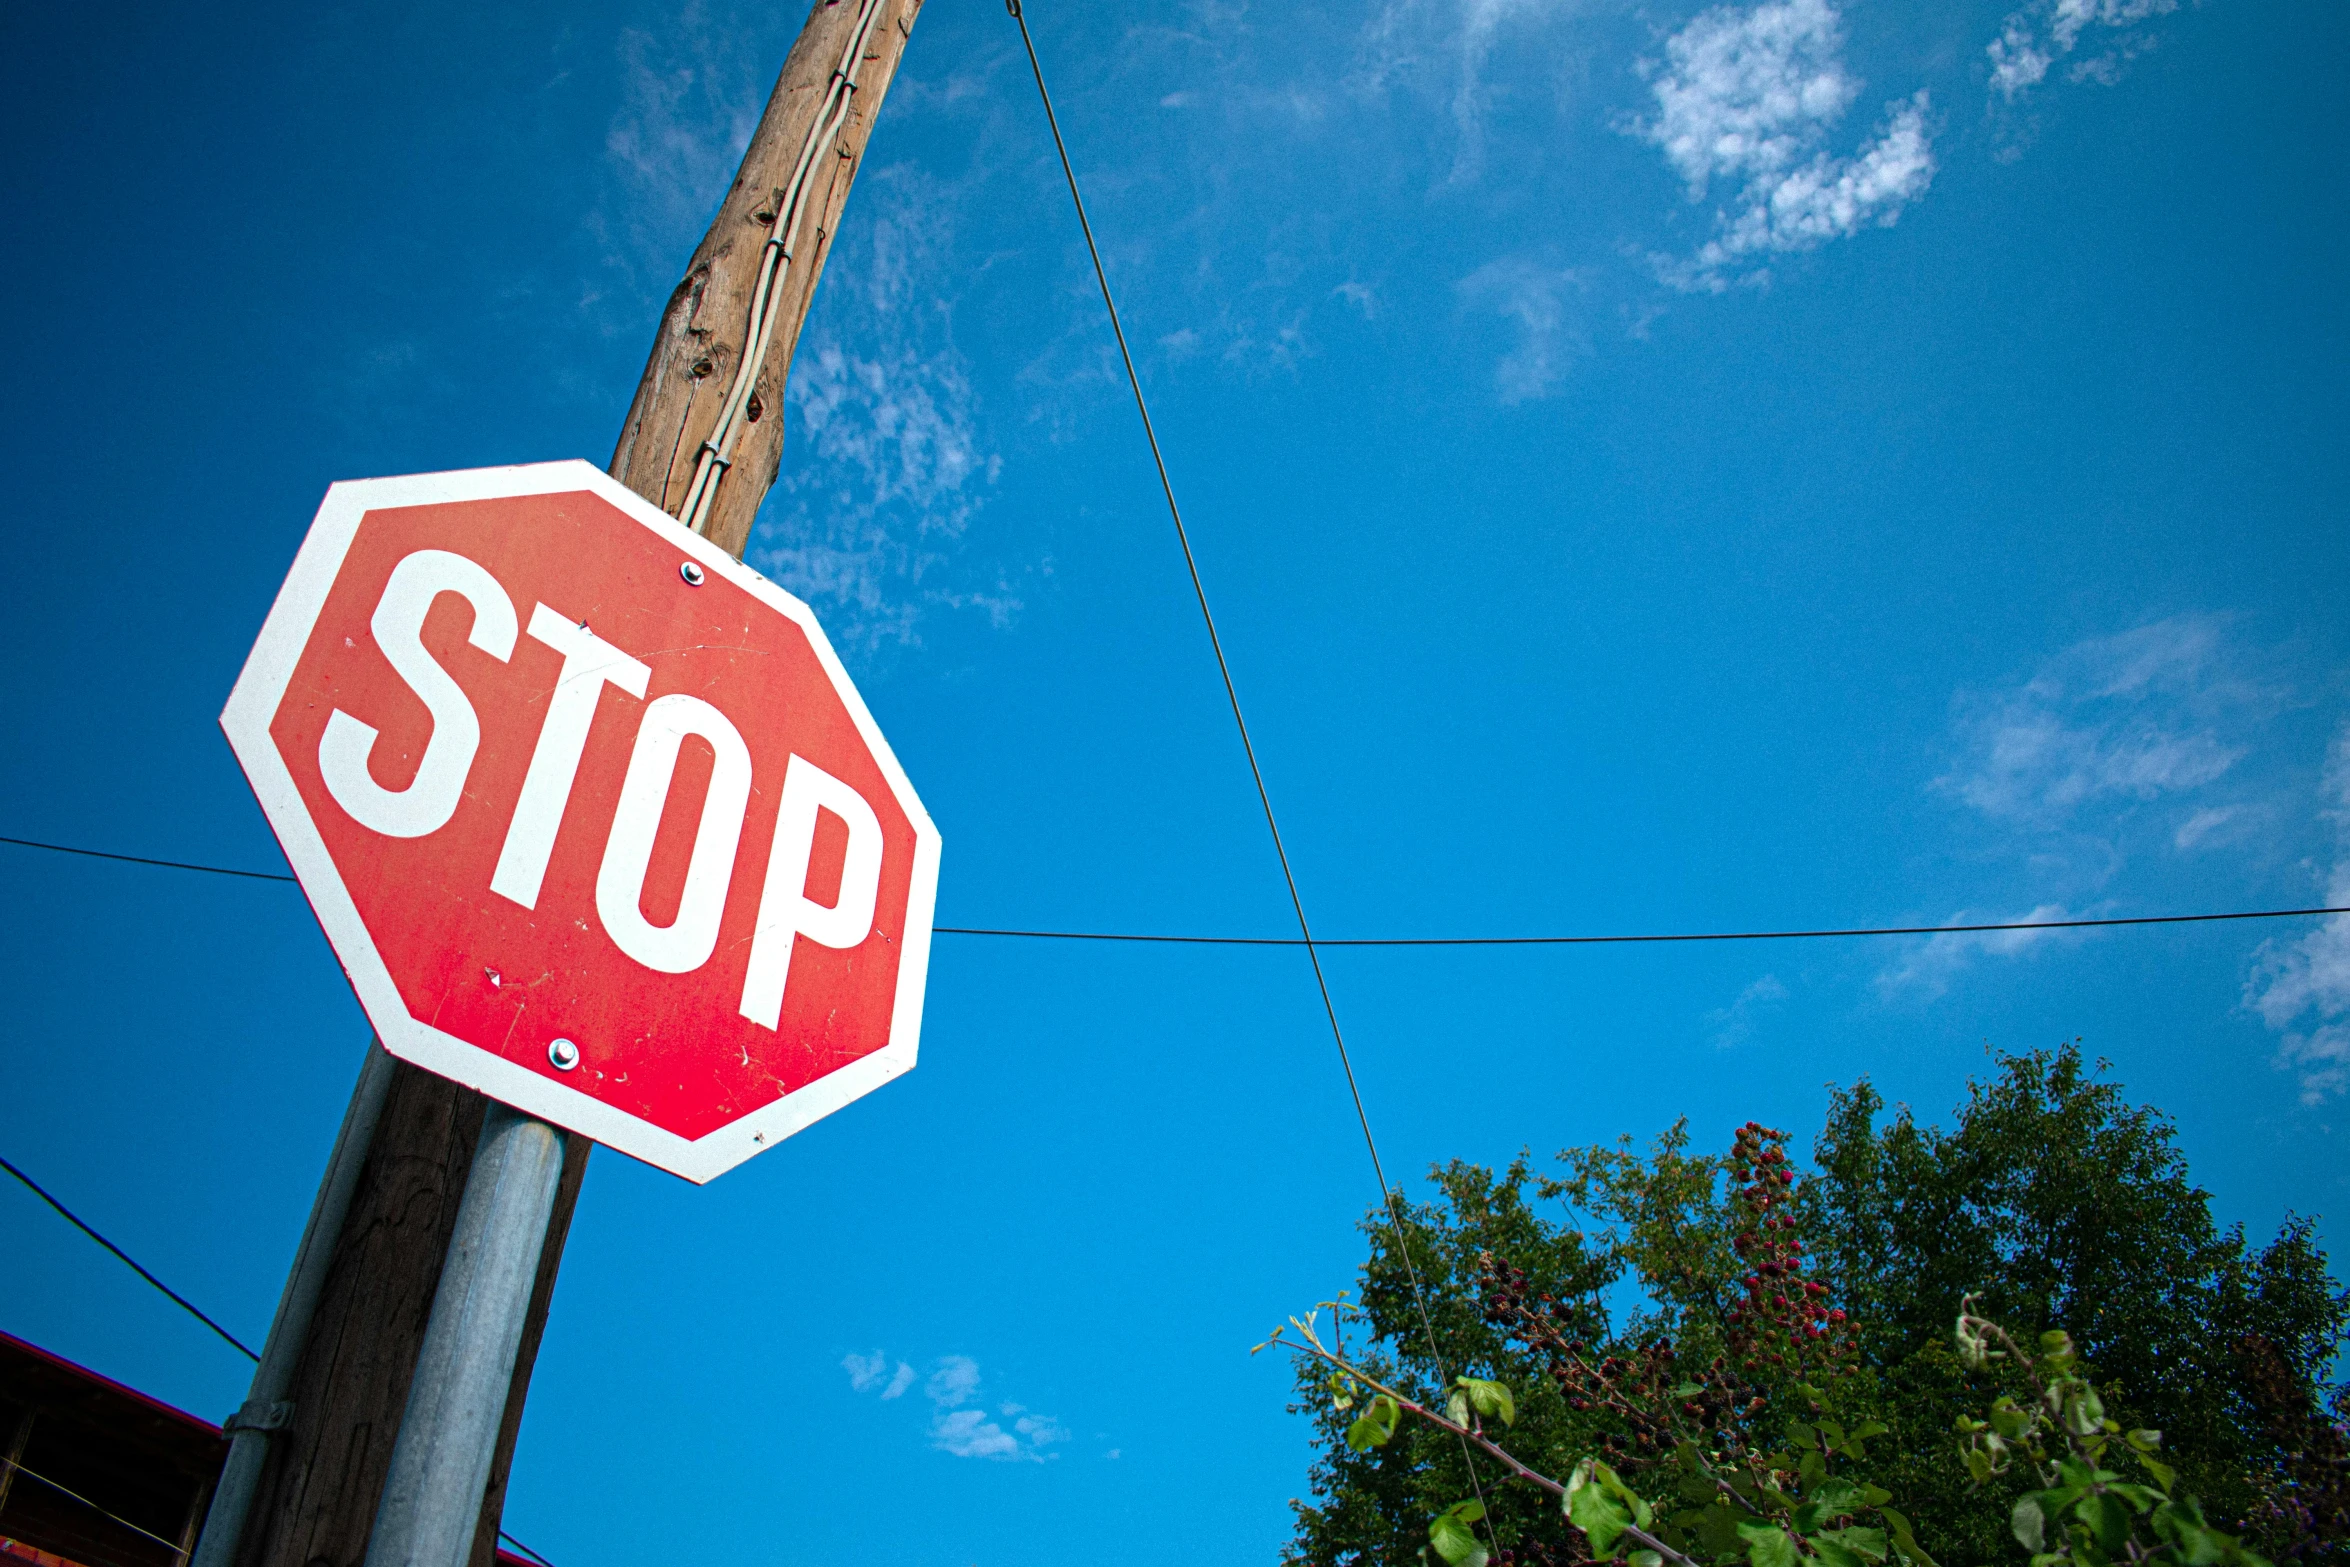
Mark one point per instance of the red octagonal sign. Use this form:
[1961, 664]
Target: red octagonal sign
[590, 811]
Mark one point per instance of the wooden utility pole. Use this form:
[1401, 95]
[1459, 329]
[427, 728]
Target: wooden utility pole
[700, 341]
[325, 1472]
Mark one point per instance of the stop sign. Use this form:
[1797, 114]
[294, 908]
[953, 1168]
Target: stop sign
[590, 812]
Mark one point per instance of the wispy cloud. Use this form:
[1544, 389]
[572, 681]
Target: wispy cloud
[885, 468]
[1734, 1024]
[2212, 826]
[691, 95]
[1449, 45]
[2130, 718]
[960, 1424]
[1535, 300]
[1746, 97]
[867, 1372]
[2034, 39]
[2301, 989]
[1927, 968]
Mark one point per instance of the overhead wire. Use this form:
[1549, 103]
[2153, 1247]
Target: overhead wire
[83, 1225]
[174, 1296]
[172, 1546]
[1174, 939]
[1391, 1203]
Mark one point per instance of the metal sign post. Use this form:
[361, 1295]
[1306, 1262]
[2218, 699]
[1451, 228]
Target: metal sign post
[441, 1464]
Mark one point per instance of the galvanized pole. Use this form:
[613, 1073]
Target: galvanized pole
[431, 1506]
[265, 1409]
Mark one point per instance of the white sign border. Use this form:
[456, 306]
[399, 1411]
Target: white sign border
[269, 669]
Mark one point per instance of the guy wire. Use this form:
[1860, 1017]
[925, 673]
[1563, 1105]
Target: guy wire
[1389, 1200]
[173, 1295]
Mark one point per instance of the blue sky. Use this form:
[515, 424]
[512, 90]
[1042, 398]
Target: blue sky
[1657, 468]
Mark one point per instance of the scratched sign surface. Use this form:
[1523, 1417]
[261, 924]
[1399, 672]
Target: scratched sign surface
[591, 813]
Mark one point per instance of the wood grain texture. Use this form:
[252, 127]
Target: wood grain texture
[317, 1499]
[700, 339]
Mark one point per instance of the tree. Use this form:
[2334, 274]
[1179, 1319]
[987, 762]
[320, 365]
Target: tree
[2063, 1205]
[2050, 1194]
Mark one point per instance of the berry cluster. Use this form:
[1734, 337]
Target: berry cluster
[1652, 1402]
[1783, 1326]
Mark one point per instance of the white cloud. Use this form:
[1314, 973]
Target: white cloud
[954, 1382]
[2210, 826]
[1747, 97]
[1734, 1024]
[1927, 969]
[884, 468]
[867, 1372]
[968, 1433]
[2131, 717]
[2301, 989]
[1534, 300]
[2032, 40]
[958, 1426]
[691, 95]
[1448, 46]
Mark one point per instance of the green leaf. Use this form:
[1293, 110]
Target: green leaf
[1852, 1547]
[1839, 1497]
[1905, 1538]
[1454, 1540]
[2108, 1519]
[1717, 1531]
[1375, 1426]
[2084, 1412]
[2164, 1475]
[2029, 1522]
[1646, 1559]
[1593, 1506]
[2201, 1547]
[1456, 1409]
[1768, 1545]
[1490, 1398]
[1868, 1544]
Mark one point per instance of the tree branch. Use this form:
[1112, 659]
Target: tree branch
[1509, 1461]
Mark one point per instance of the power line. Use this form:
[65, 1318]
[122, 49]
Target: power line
[133, 1264]
[140, 859]
[1240, 722]
[76, 1220]
[1600, 941]
[1157, 939]
[524, 1549]
[172, 1546]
